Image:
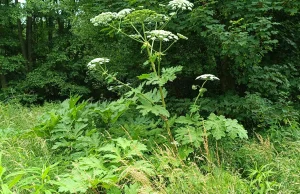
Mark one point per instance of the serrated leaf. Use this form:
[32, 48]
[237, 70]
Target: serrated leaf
[215, 124]
[72, 186]
[87, 163]
[185, 120]
[189, 136]
[169, 74]
[155, 109]
[115, 190]
[184, 151]
[234, 129]
[132, 189]
[136, 149]
[123, 143]
[145, 167]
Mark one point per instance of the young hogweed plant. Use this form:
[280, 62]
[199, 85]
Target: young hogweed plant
[148, 26]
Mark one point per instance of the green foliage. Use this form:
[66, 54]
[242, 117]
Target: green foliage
[65, 126]
[216, 126]
[252, 110]
[110, 112]
[119, 165]
[122, 150]
[221, 127]
[192, 132]
[118, 160]
[260, 180]
[86, 173]
[37, 180]
[6, 183]
[168, 74]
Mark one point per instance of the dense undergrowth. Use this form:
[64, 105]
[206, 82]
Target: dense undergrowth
[72, 149]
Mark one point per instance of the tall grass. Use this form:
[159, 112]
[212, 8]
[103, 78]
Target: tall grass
[21, 148]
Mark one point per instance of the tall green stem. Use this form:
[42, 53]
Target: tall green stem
[198, 95]
[159, 58]
[199, 92]
[149, 52]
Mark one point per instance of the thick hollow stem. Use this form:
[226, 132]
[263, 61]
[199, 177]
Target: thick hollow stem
[162, 98]
[198, 95]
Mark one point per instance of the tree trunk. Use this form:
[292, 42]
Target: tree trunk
[50, 31]
[21, 39]
[20, 34]
[3, 81]
[61, 25]
[29, 42]
[226, 78]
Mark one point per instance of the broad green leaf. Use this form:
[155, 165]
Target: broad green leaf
[215, 124]
[189, 136]
[185, 120]
[169, 74]
[132, 188]
[155, 109]
[73, 186]
[184, 151]
[234, 129]
[123, 143]
[136, 149]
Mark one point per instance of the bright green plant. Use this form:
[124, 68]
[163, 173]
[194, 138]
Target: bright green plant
[261, 179]
[119, 161]
[30, 180]
[193, 130]
[38, 179]
[70, 128]
[7, 182]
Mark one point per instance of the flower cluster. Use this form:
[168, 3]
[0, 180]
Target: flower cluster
[161, 35]
[103, 18]
[93, 63]
[181, 4]
[207, 77]
[123, 13]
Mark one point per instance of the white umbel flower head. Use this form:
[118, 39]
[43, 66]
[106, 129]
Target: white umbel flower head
[103, 18]
[161, 35]
[181, 4]
[93, 63]
[123, 13]
[207, 77]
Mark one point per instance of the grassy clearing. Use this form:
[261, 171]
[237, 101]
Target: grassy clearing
[259, 165]
[20, 148]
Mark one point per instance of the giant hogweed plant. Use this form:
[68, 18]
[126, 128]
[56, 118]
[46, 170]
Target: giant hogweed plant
[148, 28]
